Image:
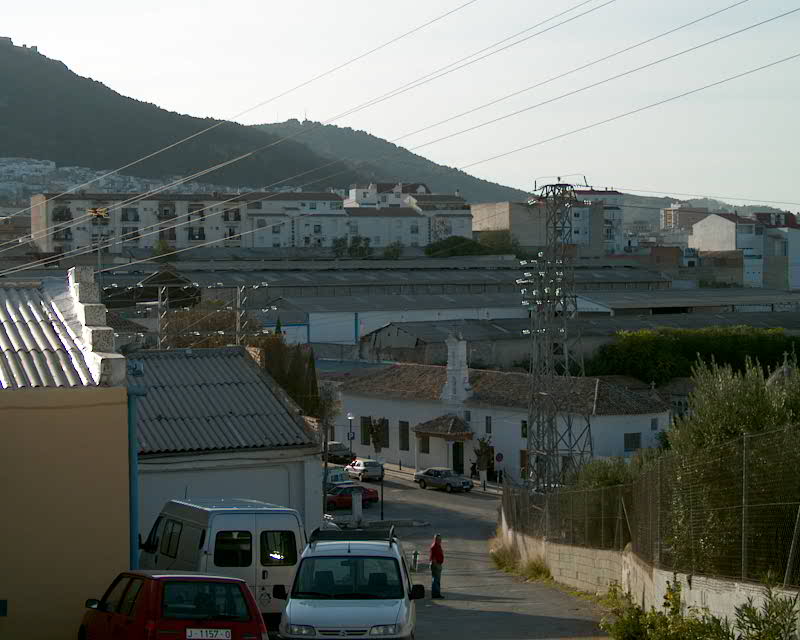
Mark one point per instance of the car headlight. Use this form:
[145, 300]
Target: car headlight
[301, 630]
[383, 630]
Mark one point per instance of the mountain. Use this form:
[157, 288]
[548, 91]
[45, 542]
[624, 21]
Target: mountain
[49, 112]
[382, 161]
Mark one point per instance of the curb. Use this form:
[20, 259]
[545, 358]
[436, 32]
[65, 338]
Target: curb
[382, 524]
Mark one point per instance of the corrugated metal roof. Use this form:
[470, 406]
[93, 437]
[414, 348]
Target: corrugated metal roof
[634, 298]
[328, 304]
[37, 349]
[212, 400]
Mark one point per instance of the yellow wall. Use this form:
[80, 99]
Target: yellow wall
[64, 496]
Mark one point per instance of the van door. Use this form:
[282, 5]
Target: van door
[280, 543]
[229, 547]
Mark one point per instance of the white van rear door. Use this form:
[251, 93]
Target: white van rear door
[231, 547]
[280, 543]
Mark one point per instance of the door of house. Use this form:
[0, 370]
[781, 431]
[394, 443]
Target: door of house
[458, 457]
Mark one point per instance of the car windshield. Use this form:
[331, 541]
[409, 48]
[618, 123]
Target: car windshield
[204, 600]
[348, 578]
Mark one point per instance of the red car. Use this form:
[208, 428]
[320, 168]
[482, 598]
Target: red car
[146, 605]
[341, 496]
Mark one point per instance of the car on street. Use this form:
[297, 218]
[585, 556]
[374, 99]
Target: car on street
[173, 604]
[365, 469]
[339, 453]
[351, 584]
[341, 496]
[336, 475]
[442, 478]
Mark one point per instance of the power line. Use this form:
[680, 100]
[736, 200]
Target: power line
[575, 70]
[395, 92]
[606, 80]
[265, 102]
[634, 111]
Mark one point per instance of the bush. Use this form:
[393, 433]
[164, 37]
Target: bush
[775, 620]
[506, 558]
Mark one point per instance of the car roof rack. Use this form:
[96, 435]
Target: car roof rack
[354, 535]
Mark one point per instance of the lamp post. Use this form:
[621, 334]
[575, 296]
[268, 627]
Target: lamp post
[350, 433]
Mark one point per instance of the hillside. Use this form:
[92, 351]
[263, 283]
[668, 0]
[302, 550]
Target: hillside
[49, 112]
[381, 161]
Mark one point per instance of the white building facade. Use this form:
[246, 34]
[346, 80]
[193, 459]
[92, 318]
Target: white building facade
[613, 217]
[727, 232]
[436, 414]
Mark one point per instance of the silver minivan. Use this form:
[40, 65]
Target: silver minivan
[351, 584]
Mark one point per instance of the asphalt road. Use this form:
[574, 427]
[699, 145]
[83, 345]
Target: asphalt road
[480, 601]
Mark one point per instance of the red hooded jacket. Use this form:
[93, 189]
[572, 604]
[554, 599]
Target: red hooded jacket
[437, 553]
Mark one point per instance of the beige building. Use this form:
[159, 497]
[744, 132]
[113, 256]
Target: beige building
[526, 224]
[64, 460]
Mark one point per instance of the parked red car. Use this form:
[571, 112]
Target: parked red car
[145, 605]
[341, 496]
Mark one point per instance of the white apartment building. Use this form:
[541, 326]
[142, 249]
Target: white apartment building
[60, 223]
[613, 235]
[727, 232]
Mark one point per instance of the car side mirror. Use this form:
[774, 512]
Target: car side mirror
[92, 603]
[141, 545]
[417, 592]
[279, 592]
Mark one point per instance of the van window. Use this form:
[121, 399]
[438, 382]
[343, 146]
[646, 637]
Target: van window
[172, 535]
[129, 601]
[151, 544]
[233, 549]
[278, 549]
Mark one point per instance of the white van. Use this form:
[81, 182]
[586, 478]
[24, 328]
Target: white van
[248, 539]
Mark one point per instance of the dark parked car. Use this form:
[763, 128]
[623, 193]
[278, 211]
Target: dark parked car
[341, 496]
[339, 453]
[442, 478]
[164, 604]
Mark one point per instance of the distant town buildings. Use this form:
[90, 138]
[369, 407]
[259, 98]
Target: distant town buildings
[679, 217]
[613, 217]
[258, 220]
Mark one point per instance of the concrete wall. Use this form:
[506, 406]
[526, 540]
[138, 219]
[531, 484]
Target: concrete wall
[713, 234]
[594, 570]
[64, 486]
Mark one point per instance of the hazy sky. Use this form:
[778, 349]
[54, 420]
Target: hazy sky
[217, 59]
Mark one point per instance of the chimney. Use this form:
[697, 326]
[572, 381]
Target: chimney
[456, 389]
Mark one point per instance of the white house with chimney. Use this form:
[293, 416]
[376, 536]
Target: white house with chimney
[435, 414]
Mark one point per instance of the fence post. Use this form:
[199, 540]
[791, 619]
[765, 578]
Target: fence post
[586, 518]
[744, 507]
[572, 517]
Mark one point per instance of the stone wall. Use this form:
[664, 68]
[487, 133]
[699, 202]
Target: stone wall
[594, 570]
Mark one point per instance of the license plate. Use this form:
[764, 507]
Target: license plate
[205, 634]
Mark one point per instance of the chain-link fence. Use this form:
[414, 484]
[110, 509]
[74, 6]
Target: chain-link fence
[732, 512]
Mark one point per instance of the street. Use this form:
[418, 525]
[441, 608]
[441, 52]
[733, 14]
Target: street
[480, 601]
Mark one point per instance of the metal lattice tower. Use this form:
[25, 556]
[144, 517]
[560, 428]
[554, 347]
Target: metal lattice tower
[559, 442]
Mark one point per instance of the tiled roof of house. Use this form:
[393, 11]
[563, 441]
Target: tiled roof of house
[584, 396]
[736, 218]
[123, 325]
[37, 347]
[213, 400]
[443, 426]
[201, 197]
[437, 197]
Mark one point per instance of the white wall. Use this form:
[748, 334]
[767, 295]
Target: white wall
[607, 431]
[286, 479]
[713, 234]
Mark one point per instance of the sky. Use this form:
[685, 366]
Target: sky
[737, 140]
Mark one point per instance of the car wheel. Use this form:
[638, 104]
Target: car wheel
[421, 484]
[448, 488]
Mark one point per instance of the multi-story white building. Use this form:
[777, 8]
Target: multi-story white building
[287, 219]
[613, 235]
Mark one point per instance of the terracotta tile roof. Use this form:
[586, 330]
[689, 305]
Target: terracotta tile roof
[584, 396]
[736, 218]
[445, 426]
[385, 212]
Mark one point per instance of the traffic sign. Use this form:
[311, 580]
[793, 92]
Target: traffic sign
[351, 436]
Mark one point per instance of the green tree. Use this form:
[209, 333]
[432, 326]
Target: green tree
[340, 247]
[456, 246]
[500, 242]
[278, 327]
[160, 251]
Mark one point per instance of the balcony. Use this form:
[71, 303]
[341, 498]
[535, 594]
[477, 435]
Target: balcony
[197, 234]
[63, 236]
[166, 214]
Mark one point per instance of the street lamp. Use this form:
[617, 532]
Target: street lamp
[350, 433]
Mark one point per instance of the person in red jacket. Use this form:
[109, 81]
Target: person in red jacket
[437, 560]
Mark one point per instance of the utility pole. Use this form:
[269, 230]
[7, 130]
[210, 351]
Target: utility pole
[558, 442]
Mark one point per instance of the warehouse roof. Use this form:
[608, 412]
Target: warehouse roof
[434, 331]
[583, 396]
[399, 302]
[37, 347]
[213, 400]
[634, 299]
